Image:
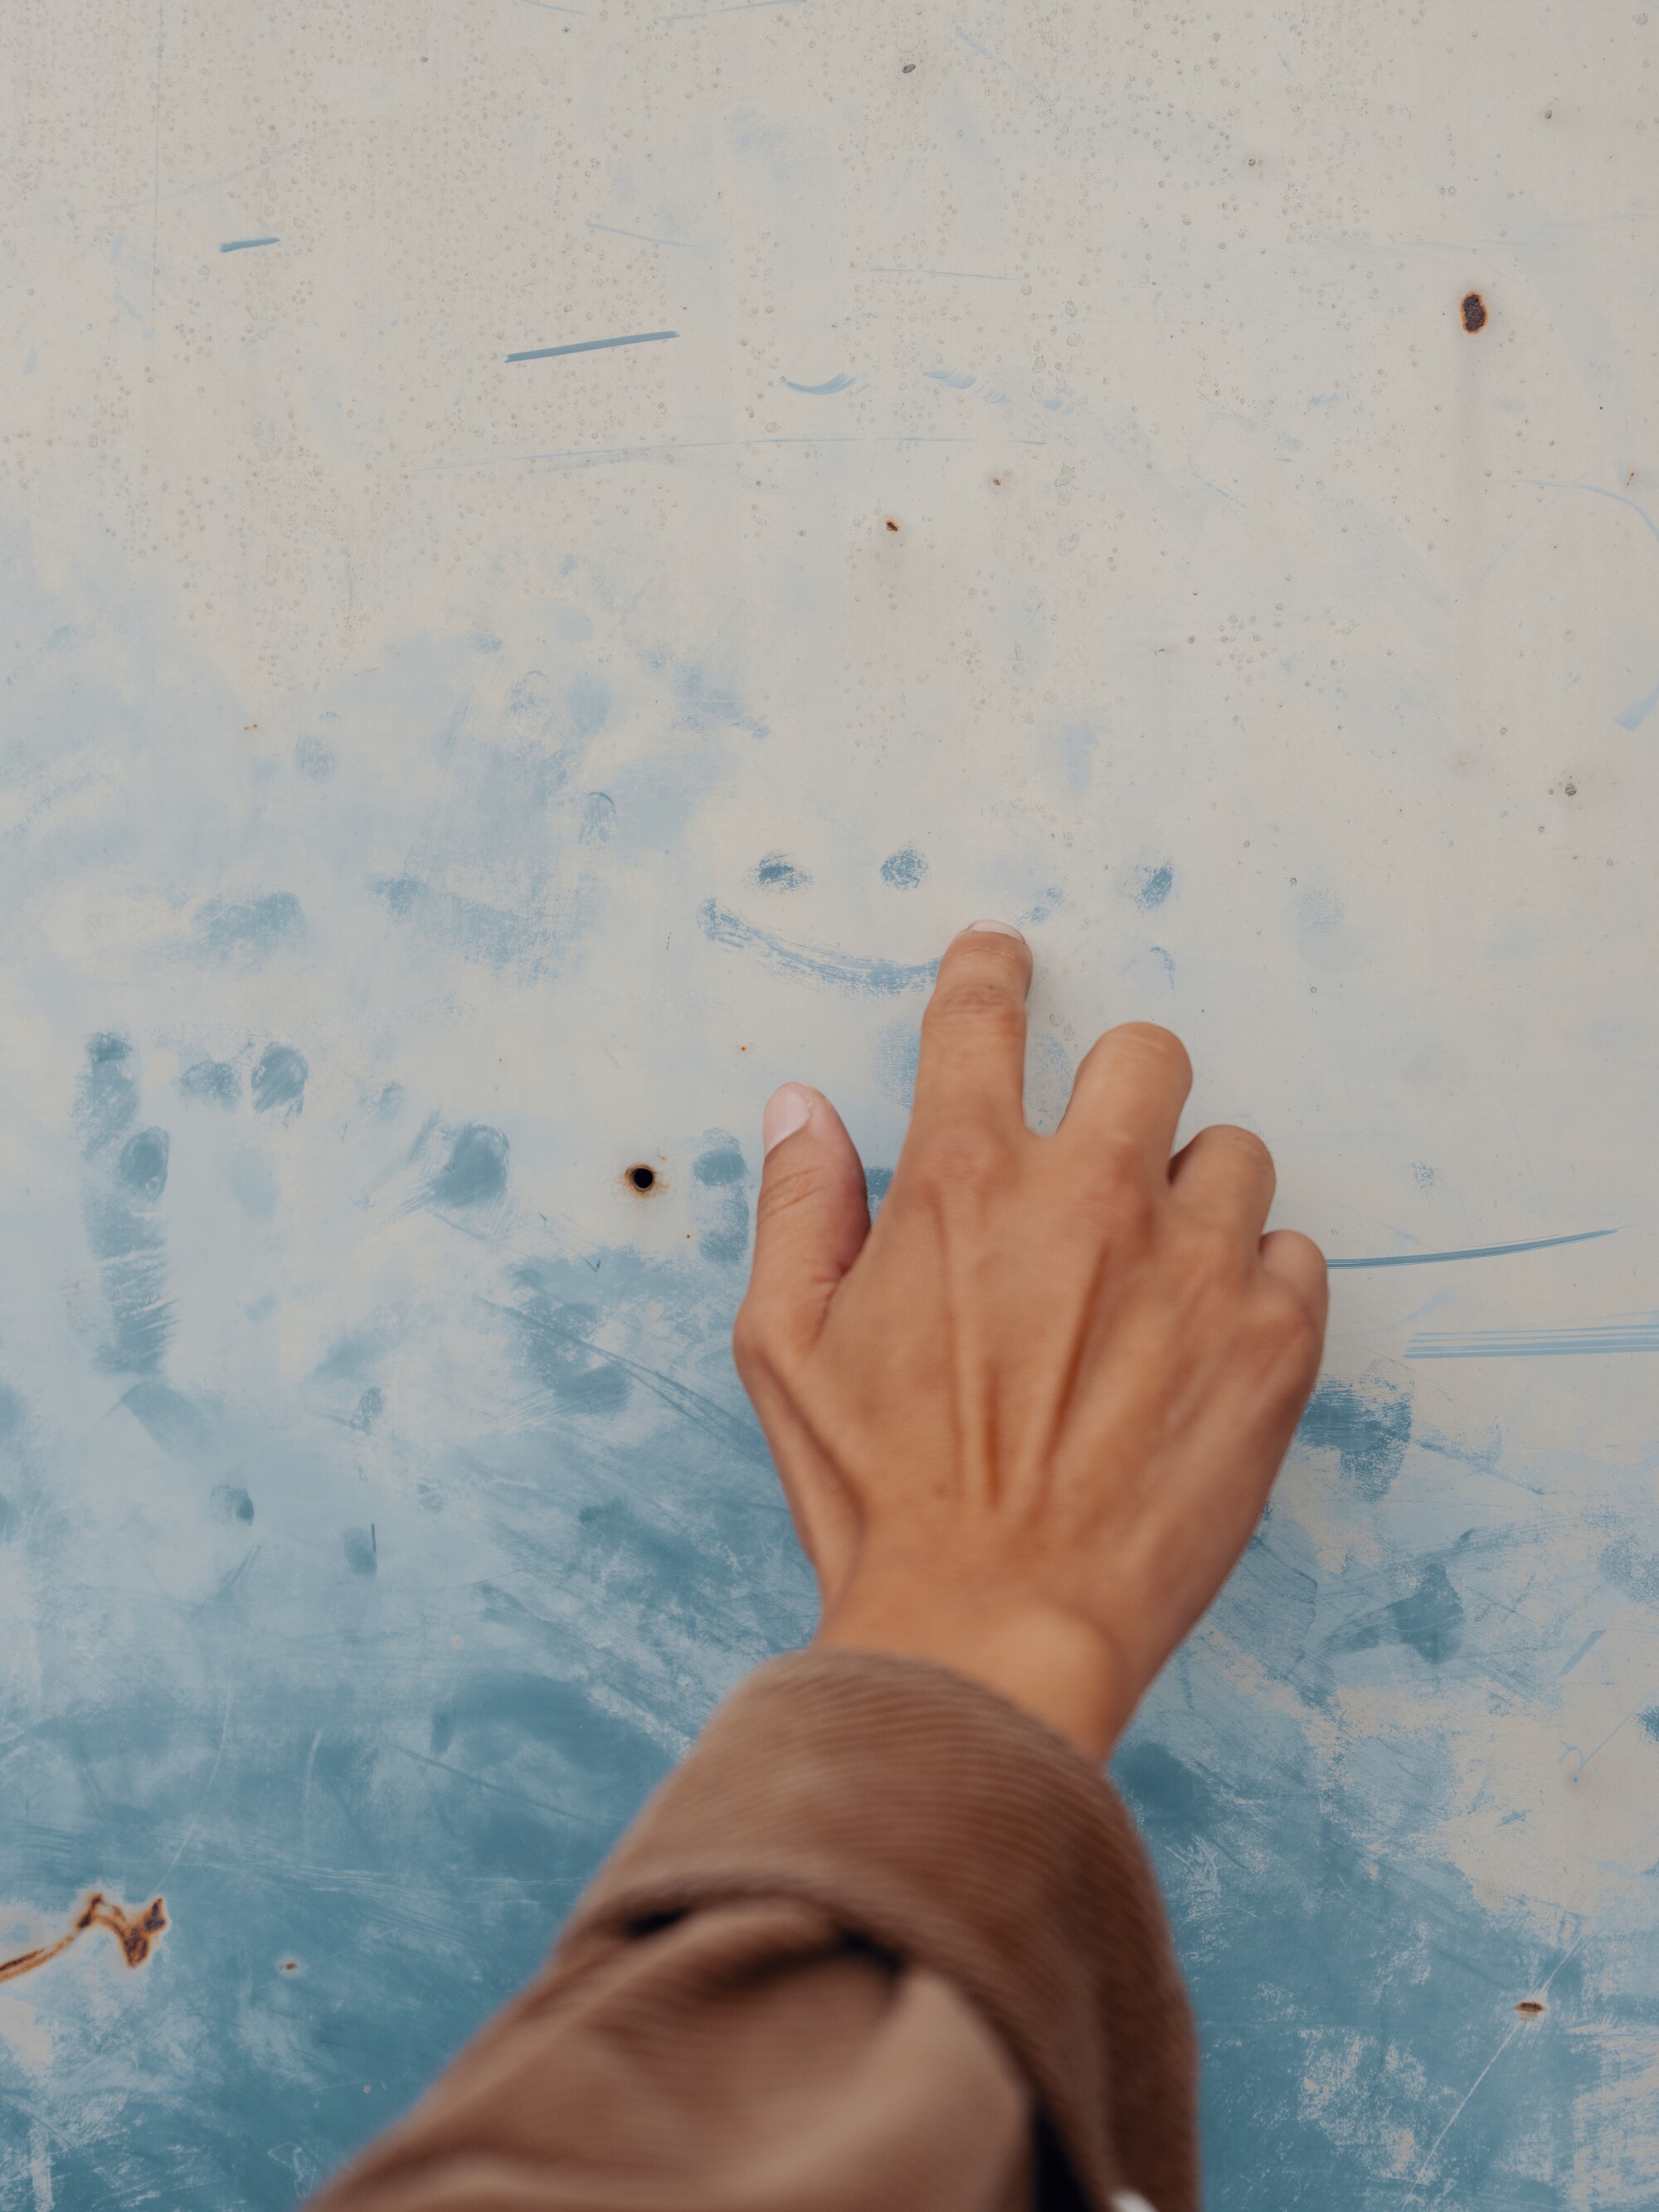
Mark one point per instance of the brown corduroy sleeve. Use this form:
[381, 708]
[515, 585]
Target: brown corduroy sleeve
[882, 1943]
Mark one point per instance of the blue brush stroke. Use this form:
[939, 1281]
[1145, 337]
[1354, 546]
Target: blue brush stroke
[1472, 1252]
[242, 244]
[592, 345]
[820, 391]
[849, 972]
[958, 380]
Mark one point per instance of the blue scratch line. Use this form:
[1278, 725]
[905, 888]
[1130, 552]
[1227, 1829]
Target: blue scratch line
[592, 345]
[1534, 1343]
[980, 276]
[849, 972]
[553, 10]
[820, 391]
[1585, 1649]
[737, 7]
[242, 245]
[997, 62]
[720, 445]
[1471, 1252]
[646, 239]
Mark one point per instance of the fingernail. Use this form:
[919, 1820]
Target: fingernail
[786, 1111]
[1002, 929]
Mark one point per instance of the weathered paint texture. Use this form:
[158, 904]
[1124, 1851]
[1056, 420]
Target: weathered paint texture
[547, 557]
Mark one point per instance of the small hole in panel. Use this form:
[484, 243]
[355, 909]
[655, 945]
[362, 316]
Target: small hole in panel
[643, 1179]
[1474, 313]
[1529, 2005]
[891, 525]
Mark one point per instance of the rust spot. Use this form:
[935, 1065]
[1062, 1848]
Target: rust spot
[135, 1933]
[891, 525]
[1529, 2005]
[642, 1178]
[1474, 313]
[290, 1966]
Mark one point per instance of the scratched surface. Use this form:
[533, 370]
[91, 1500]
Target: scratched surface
[550, 555]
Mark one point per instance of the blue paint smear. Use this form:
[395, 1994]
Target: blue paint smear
[1151, 886]
[719, 1199]
[215, 1082]
[1430, 1621]
[897, 1062]
[1471, 1252]
[279, 1080]
[847, 971]
[244, 245]
[1076, 743]
[252, 931]
[958, 380]
[592, 345]
[903, 870]
[777, 871]
[822, 390]
[475, 1170]
[1368, 1424]
[1635, 715]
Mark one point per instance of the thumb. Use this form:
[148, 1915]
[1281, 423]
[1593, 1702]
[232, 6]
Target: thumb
[811, 1220]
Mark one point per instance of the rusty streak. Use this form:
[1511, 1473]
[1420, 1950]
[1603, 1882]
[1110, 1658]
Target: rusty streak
[135, 1933]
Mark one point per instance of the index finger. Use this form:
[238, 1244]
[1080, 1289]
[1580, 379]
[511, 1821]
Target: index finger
[973, 1034]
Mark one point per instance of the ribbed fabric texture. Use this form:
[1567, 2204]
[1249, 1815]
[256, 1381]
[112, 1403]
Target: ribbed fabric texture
[947, 1826]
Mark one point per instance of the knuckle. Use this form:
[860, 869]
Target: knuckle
[1247, 1148]
[782, 1189]
[1154, 1043]
[751, 1341]
[979, 1000]
[963, 1156]
[1289, 1330]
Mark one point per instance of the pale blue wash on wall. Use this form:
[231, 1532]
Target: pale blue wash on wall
[436, 789]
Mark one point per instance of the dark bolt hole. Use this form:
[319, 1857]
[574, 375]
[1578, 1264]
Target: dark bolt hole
[642, 1178]
[1474, 312]
[1530, 2004]
[910, 68]
[891, 525]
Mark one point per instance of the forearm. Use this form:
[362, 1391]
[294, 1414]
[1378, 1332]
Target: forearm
[880, 1936]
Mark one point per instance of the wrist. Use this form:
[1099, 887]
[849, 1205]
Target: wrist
[1051, 1661]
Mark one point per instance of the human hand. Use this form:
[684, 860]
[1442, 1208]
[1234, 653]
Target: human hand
[1027, 1422]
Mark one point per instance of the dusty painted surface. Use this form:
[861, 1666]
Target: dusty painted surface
[550, 555]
